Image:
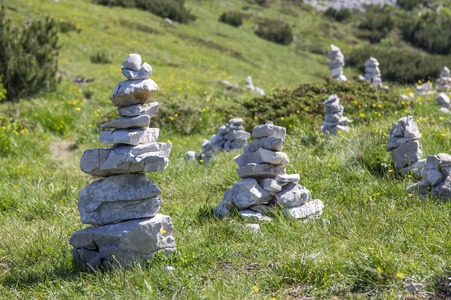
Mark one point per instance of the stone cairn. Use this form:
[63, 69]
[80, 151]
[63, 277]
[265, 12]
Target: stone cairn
[230, 137]
[250, 86]
[264, 184]
[334, 120]
[336, 63]
[436, 178]
[405, 147]
[123, 205]
[372, 72]
[443, 101]
[444, 81]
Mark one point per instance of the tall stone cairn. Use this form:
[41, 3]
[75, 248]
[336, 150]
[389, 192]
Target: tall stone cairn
[444, 81]
[436, 178]
[336, 63]
[334, 120]
[123, 206]
[372, 72]
[264, 184]
[404, 145]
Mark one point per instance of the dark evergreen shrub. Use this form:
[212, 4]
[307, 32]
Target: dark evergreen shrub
[172, 9]
[375, 24]
[100, 58]
[233, 18]
[409, 4]
[339, 15]
[430, 31]
[2, 90]
[275, 31]
[28, 56]
[400, 65]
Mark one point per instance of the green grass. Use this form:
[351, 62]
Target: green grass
[371, 241]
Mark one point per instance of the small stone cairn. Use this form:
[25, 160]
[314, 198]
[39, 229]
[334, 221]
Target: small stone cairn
[123, 206]
[444, 102]
[444, 81]
[334, 120]
[264, 183]
[250, 86]
[336, 63]
[405, 147]
[436, 178]
[372, 72]
[230, 137]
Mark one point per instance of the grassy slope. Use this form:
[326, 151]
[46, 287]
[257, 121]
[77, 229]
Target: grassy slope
[368, 238]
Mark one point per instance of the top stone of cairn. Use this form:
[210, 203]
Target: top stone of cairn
[138, 88]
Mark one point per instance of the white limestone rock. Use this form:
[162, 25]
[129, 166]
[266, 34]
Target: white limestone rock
[270, 185]
[118, 198]
[144, 72]
[287, 178]
[253, 227]
[443, 100]
[423, 89]
[123, 159]
[293, 195]
[141, 121]
[123, 243]
[260, 171]
[131, 92]
[236, 121]
[191, 155]
[245, 193]
[262, 156]
[133, 62]
[150, 109]
[253, 216]
[267, 130]
[310, 209]
[269, 143]
[237, 135]
[130, 136]
[406, 154]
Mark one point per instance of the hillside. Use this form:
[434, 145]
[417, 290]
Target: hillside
[372, 241]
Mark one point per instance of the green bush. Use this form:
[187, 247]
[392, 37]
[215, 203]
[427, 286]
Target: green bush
[362, 103]
[232, 18]
[172, 9]
[400, 65]
[275, 31]
[100, 58]
[28, 56]
[430, 31]
[339, 15]
[2, 90]
[376, 24]
[410, 4]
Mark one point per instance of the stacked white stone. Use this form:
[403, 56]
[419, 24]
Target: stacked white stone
[372, 72]
[336, 63]
[405, 146]
[250, 86]
[436, 178]
[124, 204]
[444, 81]
[229, 137]
[334, 120]
[264, 182]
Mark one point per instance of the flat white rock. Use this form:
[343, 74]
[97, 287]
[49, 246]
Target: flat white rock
[269, 129]
[246, 193]
[262, 156]
[288, 178]
[123, 243]
[130, 136]
[150, 109]
[309, 209]
[270, 185]
[269, 143]
[260, 171]
[293, 195]
[145, 71]
[123, 159]
[141, 121]
[254, 216]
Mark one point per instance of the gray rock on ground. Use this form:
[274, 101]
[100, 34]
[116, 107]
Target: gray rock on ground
[443, 100]
[123, 243]
[313, 208]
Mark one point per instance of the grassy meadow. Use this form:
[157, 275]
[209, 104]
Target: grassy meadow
[372, 240]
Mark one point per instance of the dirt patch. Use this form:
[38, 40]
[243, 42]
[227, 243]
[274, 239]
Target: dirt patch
[62, 149]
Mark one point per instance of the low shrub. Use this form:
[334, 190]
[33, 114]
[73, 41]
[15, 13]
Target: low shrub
[232, 18]
[275, 31]
[66, 26]
[362, 103]
[28, 56]
[400, 64]
[172, 9]
[375, 24]
[100, 58]
[430, 32]
[338, 15]
[410, 4]
[2, 90]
